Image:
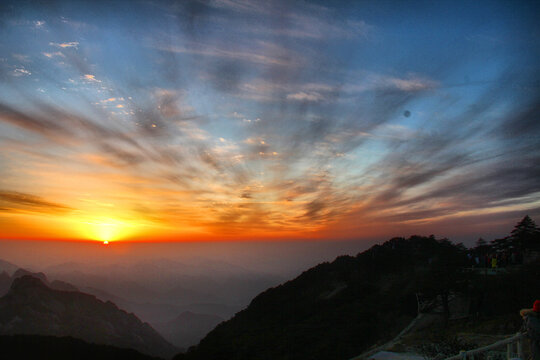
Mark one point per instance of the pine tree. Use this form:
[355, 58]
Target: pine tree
[525, 234]
[480, 242]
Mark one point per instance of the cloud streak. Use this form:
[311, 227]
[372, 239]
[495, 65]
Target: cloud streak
[16, 201]
[261, 55]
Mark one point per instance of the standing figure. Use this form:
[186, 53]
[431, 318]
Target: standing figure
[531, 324]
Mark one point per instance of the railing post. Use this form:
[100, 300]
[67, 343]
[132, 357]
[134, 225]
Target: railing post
[509, 342]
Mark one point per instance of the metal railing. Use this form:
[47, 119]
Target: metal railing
[509, 342]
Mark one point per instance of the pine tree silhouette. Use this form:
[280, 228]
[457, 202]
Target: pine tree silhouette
[525, 234]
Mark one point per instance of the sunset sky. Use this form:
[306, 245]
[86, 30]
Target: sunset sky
[246, 120]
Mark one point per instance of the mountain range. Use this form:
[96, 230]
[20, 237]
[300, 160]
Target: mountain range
[159, 290]
[184, 330]
[32, 307]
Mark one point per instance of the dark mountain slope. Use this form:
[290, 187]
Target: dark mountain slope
[334, 310]
[31, 307]
[36, 347]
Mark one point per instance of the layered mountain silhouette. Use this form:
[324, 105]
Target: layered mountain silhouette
[6, 281]
[188, 328]
[199, 318]
[32, 307]
[22, 272]
[168, 281]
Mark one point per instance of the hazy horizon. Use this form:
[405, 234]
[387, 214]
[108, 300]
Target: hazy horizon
[284, 257]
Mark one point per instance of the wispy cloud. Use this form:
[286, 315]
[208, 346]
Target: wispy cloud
[21, 57]
[258, 55]
[306, 22]
[319, 28]
[243, 6]
[21, 72]
[70, 44]
[90, 78]
[16, 201]
[39, 24]
[302, 96]
[53, 54]
[291, 89]
[414, 84]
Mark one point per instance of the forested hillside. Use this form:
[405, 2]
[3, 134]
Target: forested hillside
[337, 310]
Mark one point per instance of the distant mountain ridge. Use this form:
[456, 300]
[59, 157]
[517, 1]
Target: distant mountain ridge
[6, 280]
[169, 281]
[159, 313]
[158, 290]
[31, 307]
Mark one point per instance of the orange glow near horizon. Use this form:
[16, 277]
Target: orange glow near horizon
[111, 204]
[105, 229]
[202, 225]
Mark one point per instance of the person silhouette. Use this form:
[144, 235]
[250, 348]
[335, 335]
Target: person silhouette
[531, 324]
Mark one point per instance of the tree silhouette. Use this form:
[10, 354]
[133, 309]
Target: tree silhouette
[444, 274]
[480, 242]
[501, 244]
[525, 234]
[481, 247]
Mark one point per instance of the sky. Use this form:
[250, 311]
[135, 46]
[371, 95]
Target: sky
[226, 120]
